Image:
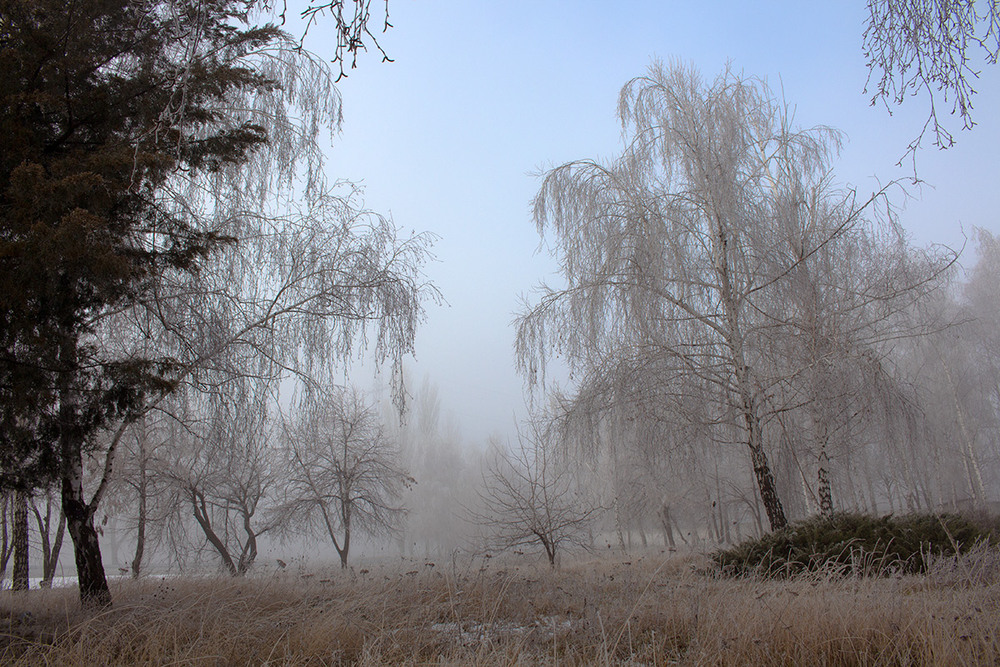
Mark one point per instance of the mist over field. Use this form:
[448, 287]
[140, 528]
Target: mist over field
[499, 334]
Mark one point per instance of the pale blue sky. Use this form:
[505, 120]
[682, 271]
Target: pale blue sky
[483, 95]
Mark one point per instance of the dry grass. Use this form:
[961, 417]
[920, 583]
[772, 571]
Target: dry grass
[648, 611]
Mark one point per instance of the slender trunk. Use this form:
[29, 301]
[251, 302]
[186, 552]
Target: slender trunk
[50, 547]
[550, 549]
[43, 532]
[6, 547]
[762, 472]
[345, 549]
[668, 528]
[19, 581]
[346, 510]
[249, 552]
[53, 560]
[724, 518]
[342, 552]
[714, 533]
[140, 532]
[741, 372]
[618, 528]
[755, 512]
[200, 508]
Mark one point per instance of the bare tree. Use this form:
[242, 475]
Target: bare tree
[224, 467]
[668, 251]
[143, 493]
[343, 473]
[532, 497]
[48, 519]
[915, 46]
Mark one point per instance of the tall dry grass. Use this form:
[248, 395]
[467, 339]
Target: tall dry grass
[653, 610]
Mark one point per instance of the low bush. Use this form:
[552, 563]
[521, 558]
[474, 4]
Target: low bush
[856, 544]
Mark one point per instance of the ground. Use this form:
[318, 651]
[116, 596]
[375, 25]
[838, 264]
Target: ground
[652, 609]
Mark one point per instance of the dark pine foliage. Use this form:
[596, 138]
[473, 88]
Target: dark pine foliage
[855, 544]
[94, 118]
[102, 102]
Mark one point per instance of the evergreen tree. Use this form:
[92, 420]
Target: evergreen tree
[102, 102]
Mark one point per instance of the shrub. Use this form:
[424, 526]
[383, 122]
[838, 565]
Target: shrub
[855, 544]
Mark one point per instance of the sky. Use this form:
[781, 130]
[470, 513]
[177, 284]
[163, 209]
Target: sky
[482, 97]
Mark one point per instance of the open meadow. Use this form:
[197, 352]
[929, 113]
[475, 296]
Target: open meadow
[658, 609]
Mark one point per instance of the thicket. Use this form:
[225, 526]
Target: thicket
[858, 544]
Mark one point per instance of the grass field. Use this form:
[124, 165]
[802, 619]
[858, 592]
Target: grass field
[654, 610]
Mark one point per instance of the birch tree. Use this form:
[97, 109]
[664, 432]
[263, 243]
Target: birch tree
[664, 250]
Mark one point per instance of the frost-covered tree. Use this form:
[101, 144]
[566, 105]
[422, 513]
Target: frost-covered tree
[342, 473]
[928, 48]
[667, 251]
[532, 497]
[225, 469]
[717, 258]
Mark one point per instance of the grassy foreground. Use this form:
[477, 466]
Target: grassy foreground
[652, 610]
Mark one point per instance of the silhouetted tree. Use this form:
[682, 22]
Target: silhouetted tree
[343, 473]
[531, 496]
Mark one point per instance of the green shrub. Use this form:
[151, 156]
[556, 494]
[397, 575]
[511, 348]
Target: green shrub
[855, 544]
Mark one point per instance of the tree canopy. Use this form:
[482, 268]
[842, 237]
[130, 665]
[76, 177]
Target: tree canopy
[154, 150]
[683, 259]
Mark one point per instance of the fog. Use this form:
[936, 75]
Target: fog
[832, 347]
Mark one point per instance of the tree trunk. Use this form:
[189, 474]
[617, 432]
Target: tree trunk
[343, 551]
[19, 576]
[93, 583]
[823, 483]
[50, 547]
[140, 533]
[762, 472]
[6, 547]
[201, 515]
[741, 372]
[550, 550]
[249, 553]
[52, 563]
[668, 528]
